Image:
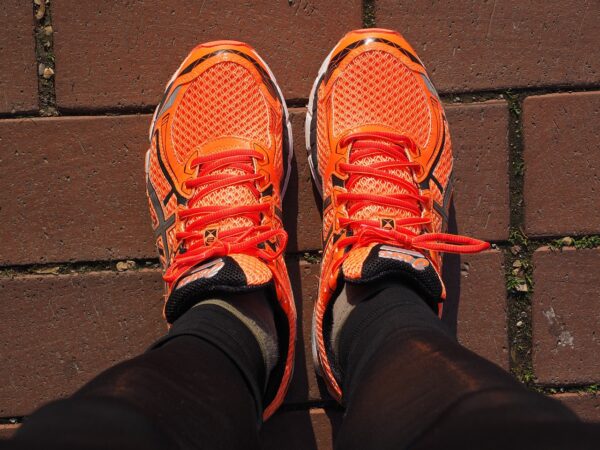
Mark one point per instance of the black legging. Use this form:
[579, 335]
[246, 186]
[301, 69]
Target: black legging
[407, 384]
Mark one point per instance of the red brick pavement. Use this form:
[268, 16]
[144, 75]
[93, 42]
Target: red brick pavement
[73, 184]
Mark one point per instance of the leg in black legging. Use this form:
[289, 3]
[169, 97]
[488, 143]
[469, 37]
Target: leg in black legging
[407, 383]
[185, 394]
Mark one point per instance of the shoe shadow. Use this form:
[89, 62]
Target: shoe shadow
[451, 277]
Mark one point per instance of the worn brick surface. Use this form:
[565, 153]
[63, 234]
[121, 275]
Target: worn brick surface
[78, 187]
[6, 431]
[313, 429]
[305, 384]
[78, 190]
[75, 190]
[60, 331]
[18, 77]
[562, 163]
[480, 143]
[566, 324]
[302, 219]
[129, 60]
[482, 306]
[586, 405]
[469, 45]
[77, 317]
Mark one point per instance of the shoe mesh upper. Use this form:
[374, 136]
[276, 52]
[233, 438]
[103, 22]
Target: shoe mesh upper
[223, 101]
[367, 93]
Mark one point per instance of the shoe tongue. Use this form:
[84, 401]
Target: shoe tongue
[234, 273]
[378, 262]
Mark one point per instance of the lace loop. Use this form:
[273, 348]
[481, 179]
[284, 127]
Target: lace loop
[407, 231]
[240, 239]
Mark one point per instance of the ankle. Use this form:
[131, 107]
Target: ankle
[379, 312]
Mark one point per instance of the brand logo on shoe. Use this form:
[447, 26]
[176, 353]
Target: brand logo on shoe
[206, 271]
[210, 235]
[415, 259]
[388, 224]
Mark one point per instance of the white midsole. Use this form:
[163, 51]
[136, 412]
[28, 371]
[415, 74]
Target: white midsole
[309, 118]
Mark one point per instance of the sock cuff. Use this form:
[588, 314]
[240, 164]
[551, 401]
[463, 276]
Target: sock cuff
[254, 318]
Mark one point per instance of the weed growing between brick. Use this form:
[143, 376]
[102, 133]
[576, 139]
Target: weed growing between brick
[313, 257]
[518, 257]
[581, 389]
[579, 243]
[519, 286]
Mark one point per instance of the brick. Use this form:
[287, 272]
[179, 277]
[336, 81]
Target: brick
[562, 161]
[8, 430]
[76, 189]
[18, 78]
[129, 60]
[81, 181]
[61, 331]
[585, 405]
[480, 145]
[470, 45]
[312, 429]
[305, 384]
[302, 219]
[566, 325]
[83, 315]
[482, 306]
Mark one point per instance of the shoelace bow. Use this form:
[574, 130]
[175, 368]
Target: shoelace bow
[245, 239]
[365, 231]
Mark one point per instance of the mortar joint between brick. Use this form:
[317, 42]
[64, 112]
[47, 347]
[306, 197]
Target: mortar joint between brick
[568, 389]
[12, 420]
[44, 54]
[518, 256]
[368, 10]
[65, 268]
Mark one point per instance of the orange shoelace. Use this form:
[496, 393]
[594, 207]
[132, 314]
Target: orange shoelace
[393, 148]
[246, 239]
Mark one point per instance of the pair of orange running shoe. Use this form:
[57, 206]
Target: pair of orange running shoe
[219, 163]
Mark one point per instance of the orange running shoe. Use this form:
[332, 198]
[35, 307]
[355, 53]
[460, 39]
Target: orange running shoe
[381, 156]
[217, 169]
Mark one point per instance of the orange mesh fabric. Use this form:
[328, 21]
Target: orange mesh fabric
[379, 186]
[256, 271]
[353, 264]
[223, 101]
[237, 195]
[377, 88]
[322, 141]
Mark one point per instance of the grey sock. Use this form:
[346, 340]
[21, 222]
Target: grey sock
[342, 308]
[254, 311]
[350, 296]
